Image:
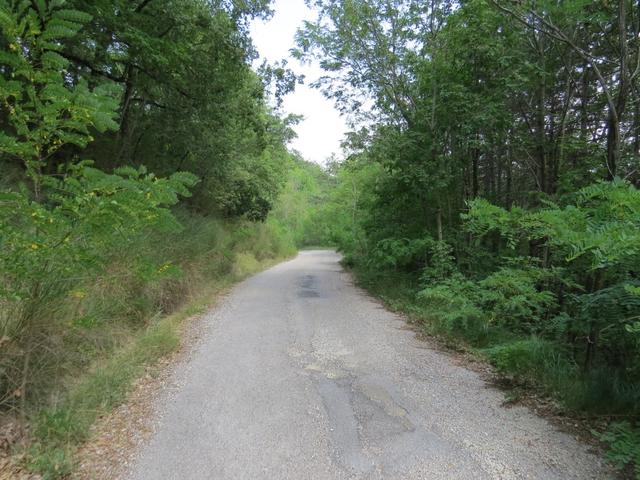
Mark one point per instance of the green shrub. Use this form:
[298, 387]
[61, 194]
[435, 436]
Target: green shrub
[245, 263]
[624, 443]
[51, 463]
[440, 264]
[608, 314]
[400, 253]
[599, 391]
[451, 306]
[512, 298]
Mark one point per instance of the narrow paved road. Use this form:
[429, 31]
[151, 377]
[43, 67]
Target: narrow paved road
[299, 375]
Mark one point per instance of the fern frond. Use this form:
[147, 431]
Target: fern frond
[74, 16]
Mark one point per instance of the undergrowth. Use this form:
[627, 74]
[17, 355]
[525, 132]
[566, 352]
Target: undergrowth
[104, 333]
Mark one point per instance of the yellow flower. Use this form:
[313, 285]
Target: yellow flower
[34, 246]
[164, 267]
[79, 294]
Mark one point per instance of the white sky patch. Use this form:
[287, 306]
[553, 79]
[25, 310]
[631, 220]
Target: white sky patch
[322, 129]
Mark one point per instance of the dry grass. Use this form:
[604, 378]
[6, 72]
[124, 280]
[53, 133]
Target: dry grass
[90, 346]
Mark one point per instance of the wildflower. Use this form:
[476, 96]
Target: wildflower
[164, 268]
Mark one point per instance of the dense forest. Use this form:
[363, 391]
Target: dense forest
[489, 187]
[488, 190]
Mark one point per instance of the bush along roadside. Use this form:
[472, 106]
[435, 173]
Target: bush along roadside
[106, 332]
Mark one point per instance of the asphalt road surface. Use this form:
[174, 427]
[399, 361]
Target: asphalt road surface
[300, 375]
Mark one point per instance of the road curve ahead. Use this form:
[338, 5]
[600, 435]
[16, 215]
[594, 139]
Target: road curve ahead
[300, 375]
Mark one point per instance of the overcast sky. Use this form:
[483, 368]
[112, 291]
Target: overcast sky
[321, 131]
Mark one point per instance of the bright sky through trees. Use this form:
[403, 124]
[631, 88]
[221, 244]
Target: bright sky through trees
[320, 132]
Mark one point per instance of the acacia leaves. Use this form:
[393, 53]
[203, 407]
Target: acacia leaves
[87, 214]
[44, 110]
[602, 225]
[75, 214]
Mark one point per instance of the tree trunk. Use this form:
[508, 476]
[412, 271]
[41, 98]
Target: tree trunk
[124, 133]
[540, 117]
[509, 180]
[613, 144]
[592, 338]
[636, 129]
[615, 114]
[474, 171]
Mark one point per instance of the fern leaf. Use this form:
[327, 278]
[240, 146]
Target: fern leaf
[74, 16]
[54, 60]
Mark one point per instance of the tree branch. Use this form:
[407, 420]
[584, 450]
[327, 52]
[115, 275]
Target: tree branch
[554, 32]
[85, 63]
[143, 4]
